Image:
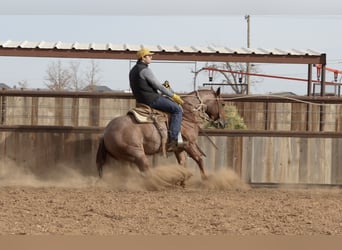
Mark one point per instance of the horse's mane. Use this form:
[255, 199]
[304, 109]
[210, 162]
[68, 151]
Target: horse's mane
[194, 92]
[192, 109]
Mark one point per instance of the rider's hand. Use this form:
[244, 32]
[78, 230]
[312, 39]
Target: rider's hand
[176, 98]
[166, 84]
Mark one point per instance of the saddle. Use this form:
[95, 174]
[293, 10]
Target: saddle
[145, 114]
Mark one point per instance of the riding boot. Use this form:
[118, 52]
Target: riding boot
[172, 145]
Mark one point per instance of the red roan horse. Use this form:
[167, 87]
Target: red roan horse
[126, 140]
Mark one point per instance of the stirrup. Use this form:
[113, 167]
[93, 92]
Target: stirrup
[182, 144]
[172, 146]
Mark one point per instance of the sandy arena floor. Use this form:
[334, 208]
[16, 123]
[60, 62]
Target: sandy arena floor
[129, 204]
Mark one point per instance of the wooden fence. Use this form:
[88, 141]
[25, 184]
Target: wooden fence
[287, 141]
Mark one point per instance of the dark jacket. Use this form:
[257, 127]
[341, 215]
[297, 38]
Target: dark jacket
[144, 85]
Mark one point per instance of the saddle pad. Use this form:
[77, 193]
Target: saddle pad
[139, 117]
[145, 114]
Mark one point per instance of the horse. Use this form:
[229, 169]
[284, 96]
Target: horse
[126, 140]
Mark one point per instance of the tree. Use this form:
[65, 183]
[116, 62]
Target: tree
[92, 78]
[58, 78]
[22, 84]
[76, 82]
[61, 78]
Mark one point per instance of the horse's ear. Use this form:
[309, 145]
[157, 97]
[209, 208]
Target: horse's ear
[218, 91]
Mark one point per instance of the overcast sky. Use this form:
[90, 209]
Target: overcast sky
[174, 7]
[274, 24]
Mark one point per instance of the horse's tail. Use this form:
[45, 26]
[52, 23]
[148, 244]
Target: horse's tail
[101, 156]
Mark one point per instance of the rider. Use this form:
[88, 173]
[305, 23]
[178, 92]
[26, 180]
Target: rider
[148, 90]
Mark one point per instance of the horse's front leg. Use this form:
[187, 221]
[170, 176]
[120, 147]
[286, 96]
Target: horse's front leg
[181, 157]
[193, 151]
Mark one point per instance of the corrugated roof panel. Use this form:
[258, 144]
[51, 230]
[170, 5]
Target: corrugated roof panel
[151, 47]
[262, 51]
[203, 49]
[155, 48]
[29, 45]
[57, 45]
[196, 49]
[11, 44]
[259, 51]
[3, 44]
[215, 49]
[45, 45]
[277, 51]
[22, 44]
[246, 50]
[304, 52]
[297, 52]
[130, 47]
[294, 52]
[163, 48]
[81, 46]
[61, 45]
[98, 46]
[115, 47]
[74, 45]
[227, 50]
[186, 49]
[249, 50]
[313, 52]
[240, 51]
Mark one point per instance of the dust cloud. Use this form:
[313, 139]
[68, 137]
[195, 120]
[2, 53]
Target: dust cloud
[120, 177]
[222, 178]
[12, 174]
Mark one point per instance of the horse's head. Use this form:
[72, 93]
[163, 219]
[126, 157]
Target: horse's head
[215, 107]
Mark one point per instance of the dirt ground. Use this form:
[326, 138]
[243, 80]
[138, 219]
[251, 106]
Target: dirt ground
[126, 203]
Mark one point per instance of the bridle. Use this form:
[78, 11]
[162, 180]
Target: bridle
[202, 108]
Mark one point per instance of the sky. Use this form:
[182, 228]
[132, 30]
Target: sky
[284, 25]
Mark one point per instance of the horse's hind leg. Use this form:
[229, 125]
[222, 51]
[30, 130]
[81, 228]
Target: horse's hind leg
[101, 157]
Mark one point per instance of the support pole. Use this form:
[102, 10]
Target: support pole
[323, 80]
[309, 88]
[247, 17]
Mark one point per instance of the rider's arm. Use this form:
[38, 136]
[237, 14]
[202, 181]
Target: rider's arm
[151, 79]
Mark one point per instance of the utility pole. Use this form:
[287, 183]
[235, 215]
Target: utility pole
[247, 18]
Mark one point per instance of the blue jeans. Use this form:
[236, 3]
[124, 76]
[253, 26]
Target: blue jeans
[166, 105]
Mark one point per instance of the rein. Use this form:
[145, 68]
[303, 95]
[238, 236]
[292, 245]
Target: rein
[201, 108]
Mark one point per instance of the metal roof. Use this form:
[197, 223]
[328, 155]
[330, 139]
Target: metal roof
[163, 52]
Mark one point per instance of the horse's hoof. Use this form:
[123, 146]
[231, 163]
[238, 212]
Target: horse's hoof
[204, 177]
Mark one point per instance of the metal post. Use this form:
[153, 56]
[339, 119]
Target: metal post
[247, 17]
[323, 80]
[195, 76]
[321, 108]
[309, 87]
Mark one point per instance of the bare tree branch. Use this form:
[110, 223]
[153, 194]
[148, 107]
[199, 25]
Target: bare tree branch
[92, 78]
[23, 84]
[76, 82]
[57, 78]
